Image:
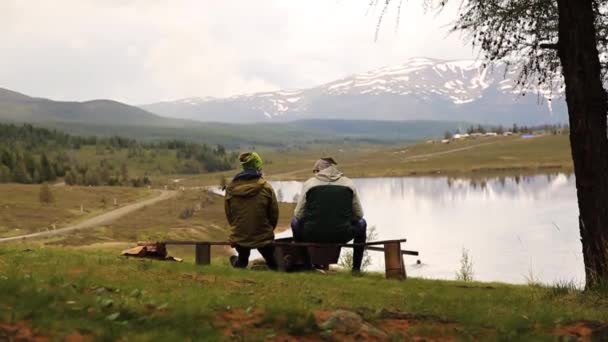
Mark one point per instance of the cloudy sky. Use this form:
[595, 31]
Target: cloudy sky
[142, 51]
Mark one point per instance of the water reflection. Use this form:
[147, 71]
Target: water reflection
[512, 226]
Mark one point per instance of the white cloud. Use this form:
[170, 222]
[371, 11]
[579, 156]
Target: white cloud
[143, 51]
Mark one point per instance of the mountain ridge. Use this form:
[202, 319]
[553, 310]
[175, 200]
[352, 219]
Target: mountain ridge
[18, 107]
[419, 89]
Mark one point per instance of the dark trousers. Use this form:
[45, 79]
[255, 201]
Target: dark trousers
[359, 229]
[243, 256]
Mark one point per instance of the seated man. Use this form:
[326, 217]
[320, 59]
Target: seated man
[329, 210]
[252, 211]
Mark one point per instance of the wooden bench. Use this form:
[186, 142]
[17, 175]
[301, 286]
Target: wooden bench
[320, 253]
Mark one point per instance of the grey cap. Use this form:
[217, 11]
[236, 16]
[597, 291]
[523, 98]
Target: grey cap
[323, 164]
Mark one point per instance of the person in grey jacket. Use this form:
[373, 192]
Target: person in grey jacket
[329, 210]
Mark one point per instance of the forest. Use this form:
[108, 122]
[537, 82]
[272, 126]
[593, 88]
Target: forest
[30, 155]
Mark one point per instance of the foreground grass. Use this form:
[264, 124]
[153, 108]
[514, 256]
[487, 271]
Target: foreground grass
[21, 211]
[60, 292]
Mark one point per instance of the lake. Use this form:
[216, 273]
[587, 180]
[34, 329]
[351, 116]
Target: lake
[514, 228]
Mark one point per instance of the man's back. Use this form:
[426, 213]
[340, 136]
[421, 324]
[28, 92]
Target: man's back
[328, 207]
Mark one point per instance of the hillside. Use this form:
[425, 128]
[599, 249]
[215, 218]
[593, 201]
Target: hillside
[18, 107]
[419, 89]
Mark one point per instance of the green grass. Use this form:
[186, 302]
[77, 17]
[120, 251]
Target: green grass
[62, 291]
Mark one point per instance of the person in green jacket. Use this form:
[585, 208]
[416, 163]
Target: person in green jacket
[329, 210]
[252, 211]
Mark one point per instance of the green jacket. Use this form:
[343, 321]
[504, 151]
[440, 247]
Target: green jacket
[252, 211]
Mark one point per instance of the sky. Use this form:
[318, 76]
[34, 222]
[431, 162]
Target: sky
[144, 51]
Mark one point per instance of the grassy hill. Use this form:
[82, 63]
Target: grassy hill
[66, 294]
[21, 108]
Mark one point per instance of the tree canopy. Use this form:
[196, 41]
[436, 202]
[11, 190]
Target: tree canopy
[521, 33]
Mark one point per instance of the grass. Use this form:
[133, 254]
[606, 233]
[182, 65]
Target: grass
[21, 211]
[54, 291]
[483, 155]
[57, 292]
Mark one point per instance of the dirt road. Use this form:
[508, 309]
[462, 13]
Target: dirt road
[454, 150]
[99, 220]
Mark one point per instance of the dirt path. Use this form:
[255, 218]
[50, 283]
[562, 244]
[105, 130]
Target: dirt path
[434, 154]
[99, 220]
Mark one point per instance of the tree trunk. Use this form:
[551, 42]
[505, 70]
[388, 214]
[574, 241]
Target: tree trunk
[587, 109]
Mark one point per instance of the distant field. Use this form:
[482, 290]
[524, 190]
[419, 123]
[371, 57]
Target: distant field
[473, 157]
[483, 155]
[21, 211]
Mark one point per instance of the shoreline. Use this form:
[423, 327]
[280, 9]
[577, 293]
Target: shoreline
[472, 174]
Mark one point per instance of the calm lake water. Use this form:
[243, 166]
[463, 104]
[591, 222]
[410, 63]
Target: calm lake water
[513, 227]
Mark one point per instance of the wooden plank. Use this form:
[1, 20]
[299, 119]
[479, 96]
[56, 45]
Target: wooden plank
[380, 249]
[393, 260]
[277, 243]
[202, 254]
[316, 244]
[210, 243]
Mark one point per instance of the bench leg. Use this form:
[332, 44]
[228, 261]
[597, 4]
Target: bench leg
[202, 254]
[393, 260]
[279, 256]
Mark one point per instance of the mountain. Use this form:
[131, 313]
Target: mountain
[419, 89]
[22, 108]
[109, 118]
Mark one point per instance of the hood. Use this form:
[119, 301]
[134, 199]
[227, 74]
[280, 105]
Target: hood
[330, 174]
[246, 188]
[248, 175]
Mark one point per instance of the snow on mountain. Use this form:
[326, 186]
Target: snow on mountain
[420, 88]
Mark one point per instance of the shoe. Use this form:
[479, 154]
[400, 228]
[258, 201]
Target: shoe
[288, 264]
[356, 273]
[233, 260]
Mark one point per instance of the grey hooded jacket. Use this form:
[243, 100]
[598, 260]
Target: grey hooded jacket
[328, 176]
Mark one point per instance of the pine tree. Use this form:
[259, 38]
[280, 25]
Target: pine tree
[91, 177]
[70, 178]
[124, 173]
[7, 158]
[46, 170]
[5, 174]
[45, 195]
[104, 175]
[20, 174]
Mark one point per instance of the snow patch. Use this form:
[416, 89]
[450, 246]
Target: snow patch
[340, 85]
